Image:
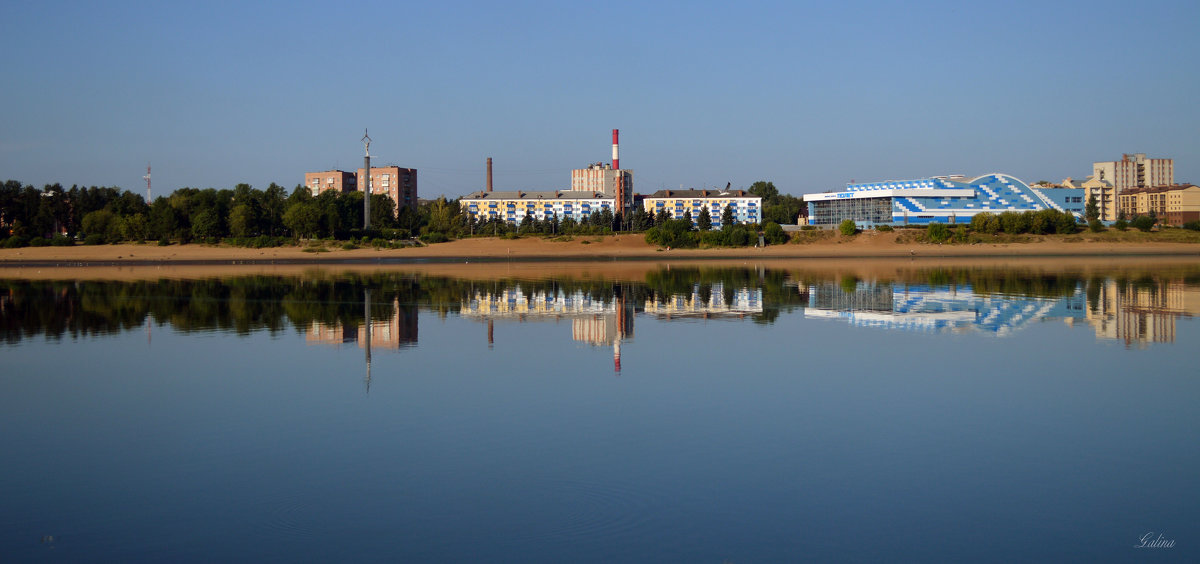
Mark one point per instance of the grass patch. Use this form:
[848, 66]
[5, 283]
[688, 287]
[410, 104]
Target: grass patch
[812, 236]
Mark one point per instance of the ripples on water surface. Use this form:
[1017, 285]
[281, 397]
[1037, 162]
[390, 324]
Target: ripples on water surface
[696, 414]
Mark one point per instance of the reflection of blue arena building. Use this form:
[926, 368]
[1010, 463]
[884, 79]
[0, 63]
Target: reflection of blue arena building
[938, 308]
[941, 199]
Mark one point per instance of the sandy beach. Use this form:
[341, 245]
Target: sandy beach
[632, 247]
[617, 257]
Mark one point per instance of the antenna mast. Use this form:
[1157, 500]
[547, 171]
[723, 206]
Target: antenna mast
[147, 177]
[366, 139]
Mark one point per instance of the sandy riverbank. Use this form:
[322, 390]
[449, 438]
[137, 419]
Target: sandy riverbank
[631, 247]
[621, 257]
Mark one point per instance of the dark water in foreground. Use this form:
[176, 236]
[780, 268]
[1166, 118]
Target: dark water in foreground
[690, 415]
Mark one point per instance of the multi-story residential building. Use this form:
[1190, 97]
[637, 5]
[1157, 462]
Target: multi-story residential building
[1173, 205]
[603, 178]
[747, 208]
[1104, 192]
[336, 180]
[399, 183]
[513, 206]
[1135, 171]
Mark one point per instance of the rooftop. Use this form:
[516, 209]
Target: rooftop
[701, 194]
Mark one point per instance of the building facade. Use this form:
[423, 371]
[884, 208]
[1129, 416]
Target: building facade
[1135, 171]
[1104, 192]
[513, 206]
[1172, 205]
[336, 180]
[399, 183]
[747, 208]
[939, 199]
[603, 178]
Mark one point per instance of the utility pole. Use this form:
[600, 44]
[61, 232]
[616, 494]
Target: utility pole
[366, 139]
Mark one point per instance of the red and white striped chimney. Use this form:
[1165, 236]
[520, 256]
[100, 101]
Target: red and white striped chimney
[616, 154]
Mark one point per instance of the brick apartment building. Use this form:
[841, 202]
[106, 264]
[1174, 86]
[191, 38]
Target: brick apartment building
[399, 183]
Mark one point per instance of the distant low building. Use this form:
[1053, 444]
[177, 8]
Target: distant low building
[747, 208]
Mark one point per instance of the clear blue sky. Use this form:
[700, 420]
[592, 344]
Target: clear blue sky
[809, 96]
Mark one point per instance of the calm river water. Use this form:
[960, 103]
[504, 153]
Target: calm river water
[609, 413]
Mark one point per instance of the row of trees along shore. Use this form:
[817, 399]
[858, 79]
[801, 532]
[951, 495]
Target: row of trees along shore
[250, 217]
[247, 216]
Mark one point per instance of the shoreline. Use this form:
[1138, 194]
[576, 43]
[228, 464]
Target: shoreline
[608, 248]
[609, 257]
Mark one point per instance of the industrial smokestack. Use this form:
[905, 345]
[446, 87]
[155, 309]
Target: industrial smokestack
[489, 178]
[616, 153]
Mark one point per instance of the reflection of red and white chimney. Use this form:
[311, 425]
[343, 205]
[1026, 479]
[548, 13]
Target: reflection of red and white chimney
[617, 355]
[616, 155]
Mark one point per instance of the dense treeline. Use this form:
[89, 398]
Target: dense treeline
[95, 215]
[251, 217]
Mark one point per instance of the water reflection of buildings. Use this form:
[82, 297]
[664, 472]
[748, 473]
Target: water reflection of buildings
[936, 308]
[606, 322]
[707, 302]
[594, 321]
[397, 331]
[1140, 313]
[1132, 312]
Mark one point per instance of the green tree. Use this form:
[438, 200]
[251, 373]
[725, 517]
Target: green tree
[164, 220]
[661, 218]
[774, 234]
[136, 227]
[986, 223]
[274, 203]
[704, 222]
[1066, 223]
[242, 221]
[727, 215]
[1143, 222]
[765, 190]
[383, 211]
[527, 225]
[937, 232]
[206, 223]
[98, 222]
[303, 218]
[441, 217]
[1014, 222]
[848, 227]
[606, 218]
[1091, 210]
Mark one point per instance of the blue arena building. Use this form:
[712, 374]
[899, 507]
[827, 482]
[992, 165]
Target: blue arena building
[951, 199]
